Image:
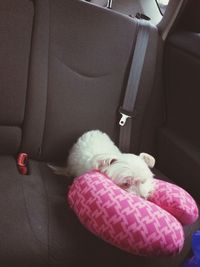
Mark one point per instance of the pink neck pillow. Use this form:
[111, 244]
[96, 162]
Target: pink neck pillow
[176, 201]
[129, 222]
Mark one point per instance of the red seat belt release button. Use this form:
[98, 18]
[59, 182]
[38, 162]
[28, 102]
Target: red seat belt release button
[22, 163]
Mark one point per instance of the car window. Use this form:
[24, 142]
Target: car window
[162, 4]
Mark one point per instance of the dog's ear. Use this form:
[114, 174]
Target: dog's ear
[149, 160]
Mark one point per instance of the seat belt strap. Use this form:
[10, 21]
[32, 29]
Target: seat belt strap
[135, 74]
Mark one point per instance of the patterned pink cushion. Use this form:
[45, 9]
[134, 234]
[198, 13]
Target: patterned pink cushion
[122, 219]
[176, 201]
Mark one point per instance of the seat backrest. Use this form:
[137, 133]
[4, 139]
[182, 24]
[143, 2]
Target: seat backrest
[80, 60]
[89, 55]
[16, 17]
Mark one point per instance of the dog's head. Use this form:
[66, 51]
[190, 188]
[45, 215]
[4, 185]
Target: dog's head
[129, 171]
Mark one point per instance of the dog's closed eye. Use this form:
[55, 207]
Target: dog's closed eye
[112, 161]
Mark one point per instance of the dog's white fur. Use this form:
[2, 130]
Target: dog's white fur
[95, 150]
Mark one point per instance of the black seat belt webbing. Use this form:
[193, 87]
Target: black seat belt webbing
[127, 109]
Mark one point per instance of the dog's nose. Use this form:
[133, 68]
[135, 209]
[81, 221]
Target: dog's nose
[125, 185]
[136, 182]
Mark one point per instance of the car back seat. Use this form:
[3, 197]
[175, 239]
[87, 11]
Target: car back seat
[78, 67]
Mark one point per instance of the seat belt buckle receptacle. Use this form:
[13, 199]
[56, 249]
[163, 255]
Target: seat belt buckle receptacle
[22, 163]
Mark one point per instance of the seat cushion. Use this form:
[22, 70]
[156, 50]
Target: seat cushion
[23, 213]
[37, 228]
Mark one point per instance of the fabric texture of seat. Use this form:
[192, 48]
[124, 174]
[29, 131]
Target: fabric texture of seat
[16, 19]
[86, 74]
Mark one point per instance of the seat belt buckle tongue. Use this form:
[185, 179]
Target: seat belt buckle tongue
[123, 119]
[22, 163]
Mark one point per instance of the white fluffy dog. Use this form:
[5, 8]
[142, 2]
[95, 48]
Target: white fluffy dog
[95, 150]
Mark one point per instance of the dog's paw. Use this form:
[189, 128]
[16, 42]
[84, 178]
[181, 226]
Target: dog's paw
[147, 188]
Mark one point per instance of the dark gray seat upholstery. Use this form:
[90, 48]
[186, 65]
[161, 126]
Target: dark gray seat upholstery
[16, 18]
[66, 77]
[87, 64]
